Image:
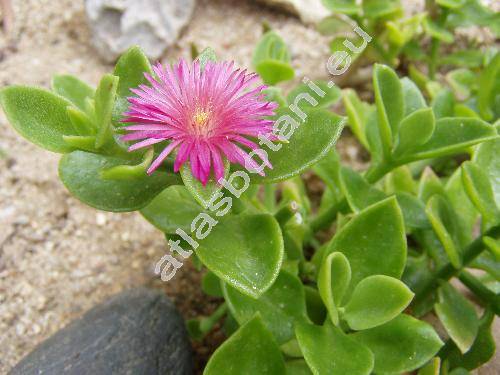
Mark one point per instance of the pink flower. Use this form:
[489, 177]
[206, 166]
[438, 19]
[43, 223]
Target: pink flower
[204, 113]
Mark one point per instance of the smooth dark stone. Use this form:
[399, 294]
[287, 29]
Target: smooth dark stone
[136, 332]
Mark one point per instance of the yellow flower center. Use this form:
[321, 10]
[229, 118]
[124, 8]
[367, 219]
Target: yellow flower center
[201, 117]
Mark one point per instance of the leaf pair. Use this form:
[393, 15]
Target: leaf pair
[375, 300]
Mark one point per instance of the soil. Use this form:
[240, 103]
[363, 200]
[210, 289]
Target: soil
[58, 257]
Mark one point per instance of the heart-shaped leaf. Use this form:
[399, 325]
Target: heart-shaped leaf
[245, 251]
[415, 130]
[401, 345]
[333, 280]
[81, 174]
[373, 241]
[250, 350]
[327, 350]
[310, 142]
[173, 208]
[281, 306]
[458, 316]
[130, 69]
[376, 300]
[39, 116]
[453, 135]
[73, 89]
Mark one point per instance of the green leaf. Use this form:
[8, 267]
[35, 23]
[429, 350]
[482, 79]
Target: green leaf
[472, 58]
[403, 344]
[413, 97]
[453, 135]
[376, 300]
[463, 207]
[438, 32]
[443, 104]
[381, 8]
[81, 122]
[342, 6]
[390, 103]
[104, 102]
[81, 174]
[415, 130]
[458, 317]
[488, 88]
[333, 280]
[281, 306]
[462, 81]
[432, 368]
[374, 242]
[359, 193]
[488, 158]
[483, 348]
[203, 194]
[73, 89]
[327, 350]
[400, 180]
[245, 251]
[328, 97]
[208, 54]
[130, 69]
[334, 24]
[39, 116]
[430, 184]
[271, 59]
[413, 211]
[250, 350]
[297, 367]
[310, 142]
[357, 113]
[479, 190]
[211, 285]
[173, 208]
[444, 221]
[452, 4]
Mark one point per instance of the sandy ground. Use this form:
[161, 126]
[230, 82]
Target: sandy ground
[58, 258]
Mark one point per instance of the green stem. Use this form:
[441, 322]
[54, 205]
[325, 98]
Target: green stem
[207, 323]
[447, 271]
[377, 171]
[485, 295]
[324, 220]
[285, 213]
[433, 61]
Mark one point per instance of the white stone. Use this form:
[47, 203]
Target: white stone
[154, 25]
[309, 11]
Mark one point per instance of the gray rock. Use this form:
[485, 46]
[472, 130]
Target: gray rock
[136, 332]
[309, 11]
[154, 25]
